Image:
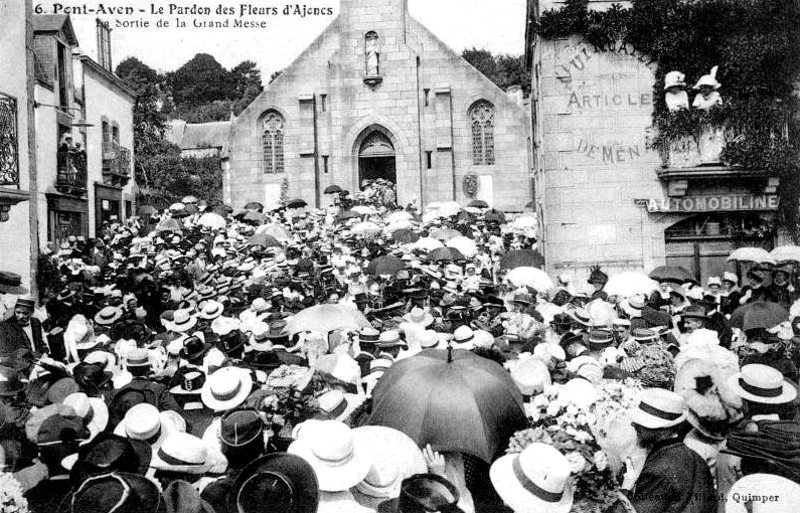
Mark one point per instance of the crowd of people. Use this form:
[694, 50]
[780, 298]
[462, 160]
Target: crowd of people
[368, 357]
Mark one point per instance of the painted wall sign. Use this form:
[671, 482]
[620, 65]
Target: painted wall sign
[715, 203]
[609, 153]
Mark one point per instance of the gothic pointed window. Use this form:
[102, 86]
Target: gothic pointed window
[481, 116]
[272, 142]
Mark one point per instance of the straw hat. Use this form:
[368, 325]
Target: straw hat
[226, 388]
[339, 460]
[419, 316]
[183, 321]
[211, 310]
[762, 384]
[534, 481]
[674, 79]
[108, 315]
[709, 80]
[185, 453]
[531, 376]
[144, 422]
[658, 408]
[92, 410]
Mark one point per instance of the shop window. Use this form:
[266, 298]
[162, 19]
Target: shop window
[9, 146]
[481, 116]
[272, 142]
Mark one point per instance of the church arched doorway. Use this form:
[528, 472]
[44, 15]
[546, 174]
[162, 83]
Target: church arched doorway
[376, 158]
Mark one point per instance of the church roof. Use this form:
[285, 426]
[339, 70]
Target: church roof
[195, 136]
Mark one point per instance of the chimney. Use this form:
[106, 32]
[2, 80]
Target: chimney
[104, 45]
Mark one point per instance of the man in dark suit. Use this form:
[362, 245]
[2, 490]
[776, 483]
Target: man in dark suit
[22, 331]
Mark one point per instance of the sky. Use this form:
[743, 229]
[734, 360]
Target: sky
[496, 25]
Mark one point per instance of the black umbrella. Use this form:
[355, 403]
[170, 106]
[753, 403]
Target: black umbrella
[297, 203]
[405, 236]
[494, 216]
[672, 273]
[254, 205]
[347, 214]
[387, 264]
[262, 239]
[332, 189]
[522, 258]
[147, 210]
[455, 401]
[223, 210]
[478, 204]
[445, 255]
[759, 314]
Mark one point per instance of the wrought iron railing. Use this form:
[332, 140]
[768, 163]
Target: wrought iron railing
[71, 177]
[116, 159]
[9, 141]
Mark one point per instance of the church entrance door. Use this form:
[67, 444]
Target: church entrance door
[376, 158]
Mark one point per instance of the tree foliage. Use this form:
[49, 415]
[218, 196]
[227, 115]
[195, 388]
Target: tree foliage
[503, 70]
[755, 43]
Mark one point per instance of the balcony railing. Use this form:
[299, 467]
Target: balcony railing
[116, 164]
[71, 177]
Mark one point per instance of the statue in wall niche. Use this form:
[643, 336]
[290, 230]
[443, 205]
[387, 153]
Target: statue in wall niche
[373, 58]
[712, 140]
[675, 91]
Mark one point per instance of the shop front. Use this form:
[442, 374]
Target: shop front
[66, 216]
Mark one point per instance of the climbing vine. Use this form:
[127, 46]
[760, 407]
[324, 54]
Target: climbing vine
[755, 43]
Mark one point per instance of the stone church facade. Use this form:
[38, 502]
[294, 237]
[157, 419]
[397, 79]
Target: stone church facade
[377, 95]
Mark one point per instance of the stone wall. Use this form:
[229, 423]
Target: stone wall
[594, 113]
[421, 104]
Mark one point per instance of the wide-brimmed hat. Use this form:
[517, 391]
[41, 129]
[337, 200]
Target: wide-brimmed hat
[658, 408]
[368, 335]
[92, 410]
[644, 335]
[190, 381]
[395, 457]
[763, 384]
[337, 405]
[581, 316]
[240, 427]
[183, 321]
[188, 454]
[144, 422]
[534, 481]
[137, 357]
[674, 79]
[194, 347]
[108, 453]
[117, 492]
[464, 337]
[709, 80]
[290, 376]
[390, 338]
[531, 376]
[108, 315]
[211, 310]
[91, 376]
[423, 493]
[226, 388]
[730, 277]
[600, 339]
[284, 481]
[419, 316]
[55, 424]
[339, 460]
[182, 497]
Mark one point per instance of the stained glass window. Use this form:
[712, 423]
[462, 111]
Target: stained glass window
[481, 117]
[272, 142]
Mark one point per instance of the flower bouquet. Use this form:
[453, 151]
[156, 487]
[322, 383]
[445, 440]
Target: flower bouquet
[557, 420]
[11, 498]
[576, 427]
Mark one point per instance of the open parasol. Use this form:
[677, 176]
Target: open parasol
[464, 245]
[530, 277]
[454, 400]
[212, 220]
[751, 254]
[783, 254]
[297, 203]
[262, 239]
[332, 189]
[254, 205]
[445, 234]
[327, 318]
[405, 236]
[629, 283]
[478, 204]
[445, 255]
[147, 210]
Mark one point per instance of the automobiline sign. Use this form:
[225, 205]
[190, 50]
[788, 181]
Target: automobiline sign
[714, 203]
